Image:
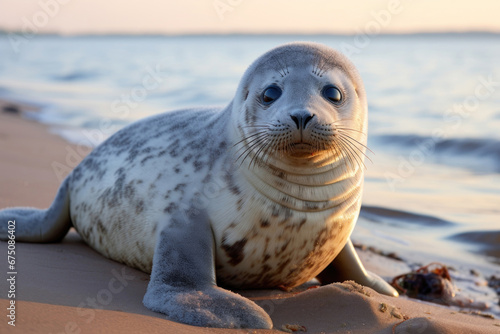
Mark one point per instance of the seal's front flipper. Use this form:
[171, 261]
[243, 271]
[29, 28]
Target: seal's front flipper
[182, 284]
[348, 266]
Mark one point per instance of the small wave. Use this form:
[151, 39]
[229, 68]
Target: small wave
[486, 151]
[397, 217]
[487, 242]
[486, 238]
[74, 76]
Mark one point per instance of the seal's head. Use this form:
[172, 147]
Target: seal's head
[301, 103]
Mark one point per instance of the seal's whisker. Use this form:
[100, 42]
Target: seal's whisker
[352, 146]
[246, 156]
[255, 158]
[319, 146]
[270, 149]
[260, 146]
[261, 152]
[280, 69]
[286, 66]
[347, 157]
[356, 150]
[356, 156]
[283, 146]
[316, 66]
[355, 144]
[333, 148]
[349, 129]
[255, 143]
[277, 146]
[324, 65]
[250, 143]
[356, 141]
[347, 148]
[340, 151]
[247, 151]
[250, 136]
[290, 147]
[339, 148]
[345, 122]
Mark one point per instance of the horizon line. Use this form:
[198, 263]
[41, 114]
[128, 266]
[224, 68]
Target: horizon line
[260, 34]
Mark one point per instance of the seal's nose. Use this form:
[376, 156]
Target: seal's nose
[301, 118]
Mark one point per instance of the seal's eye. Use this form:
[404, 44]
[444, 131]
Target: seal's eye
[271, 94]
[332, 94]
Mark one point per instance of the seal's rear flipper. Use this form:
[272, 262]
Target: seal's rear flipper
[348, 266]
[182, 284]
[35, 225]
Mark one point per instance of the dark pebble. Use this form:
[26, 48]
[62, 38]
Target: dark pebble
[11, 108]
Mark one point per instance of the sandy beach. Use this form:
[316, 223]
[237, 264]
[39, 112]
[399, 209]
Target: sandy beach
[69, 288]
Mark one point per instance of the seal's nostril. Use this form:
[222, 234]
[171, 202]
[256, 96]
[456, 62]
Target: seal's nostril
[296, 120]
[301, 119]
[308, 118]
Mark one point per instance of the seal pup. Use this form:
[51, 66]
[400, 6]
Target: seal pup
[261, 194]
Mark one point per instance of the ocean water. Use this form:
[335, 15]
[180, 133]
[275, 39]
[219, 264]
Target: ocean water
[432, 190]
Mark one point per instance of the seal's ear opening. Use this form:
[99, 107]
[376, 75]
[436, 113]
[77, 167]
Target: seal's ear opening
[246, 95]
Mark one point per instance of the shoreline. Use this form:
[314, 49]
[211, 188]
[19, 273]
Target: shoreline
[32, 159]
[55, 281]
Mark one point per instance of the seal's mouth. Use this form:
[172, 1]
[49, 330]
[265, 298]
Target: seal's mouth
[302, 149]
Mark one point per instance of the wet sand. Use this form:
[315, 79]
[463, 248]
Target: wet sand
[66, 287]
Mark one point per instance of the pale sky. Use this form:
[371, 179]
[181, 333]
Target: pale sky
[249, 16]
